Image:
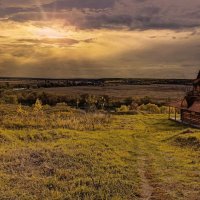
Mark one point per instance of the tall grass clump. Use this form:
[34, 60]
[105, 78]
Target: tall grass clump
[44, 117]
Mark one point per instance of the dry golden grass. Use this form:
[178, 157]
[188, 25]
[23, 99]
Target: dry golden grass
[18, 117]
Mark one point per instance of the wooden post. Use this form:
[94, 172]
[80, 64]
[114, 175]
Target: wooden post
[175, 113]
[169, 112]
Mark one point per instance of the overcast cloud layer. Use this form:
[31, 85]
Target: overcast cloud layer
[100, 38]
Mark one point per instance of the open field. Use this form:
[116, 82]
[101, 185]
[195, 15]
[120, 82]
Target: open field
[132, 157]
[159, 89]
[158, 92]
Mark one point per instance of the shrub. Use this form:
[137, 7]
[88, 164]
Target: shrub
[123, 108]
[133, 106]
[150, 108]
[145, 100]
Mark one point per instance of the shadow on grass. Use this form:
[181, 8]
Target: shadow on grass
[167, 125]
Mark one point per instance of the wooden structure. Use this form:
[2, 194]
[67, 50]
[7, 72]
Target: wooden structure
[187, 111]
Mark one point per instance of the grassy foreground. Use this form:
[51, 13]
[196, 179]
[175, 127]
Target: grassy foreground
[134, 157]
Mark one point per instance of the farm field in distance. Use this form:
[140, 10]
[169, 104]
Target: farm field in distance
[156, 89]
[130, 157]
[158, 92]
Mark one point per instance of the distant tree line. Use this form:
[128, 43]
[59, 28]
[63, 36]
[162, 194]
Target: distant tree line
[85, 101]
[49, 83]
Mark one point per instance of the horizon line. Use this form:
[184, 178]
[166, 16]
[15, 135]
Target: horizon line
[102, 78]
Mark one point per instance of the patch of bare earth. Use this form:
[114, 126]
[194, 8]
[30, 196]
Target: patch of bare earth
[146, 188]
[151, 189]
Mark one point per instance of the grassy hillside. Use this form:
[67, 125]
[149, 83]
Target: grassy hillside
[128, 157]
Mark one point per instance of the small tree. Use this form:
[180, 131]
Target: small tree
[101, 102]
[90, 102]
[38, 113]
[146, 100]
[37, 106]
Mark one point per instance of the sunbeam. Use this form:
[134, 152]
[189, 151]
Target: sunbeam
[42, 12]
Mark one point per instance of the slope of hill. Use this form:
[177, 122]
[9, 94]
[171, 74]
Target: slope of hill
[132, 157]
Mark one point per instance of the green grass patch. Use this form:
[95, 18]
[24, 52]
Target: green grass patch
[121, 160]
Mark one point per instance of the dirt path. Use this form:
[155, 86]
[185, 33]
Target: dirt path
[149, 189]
[143, 159]
[146, 188]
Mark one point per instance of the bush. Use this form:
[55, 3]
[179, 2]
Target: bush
[145, 100]
[134, 106]
[150, 108]
[123, 108]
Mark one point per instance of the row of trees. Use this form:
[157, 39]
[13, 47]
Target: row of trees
[86, 101]
[33, 84]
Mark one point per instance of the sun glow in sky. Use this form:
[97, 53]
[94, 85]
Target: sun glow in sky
[108, 38]
[47, 32]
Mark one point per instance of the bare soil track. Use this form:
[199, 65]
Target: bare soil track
[147, 189]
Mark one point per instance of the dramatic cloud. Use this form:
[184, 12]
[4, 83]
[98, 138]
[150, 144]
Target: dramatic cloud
[159, 14]
[93, 38]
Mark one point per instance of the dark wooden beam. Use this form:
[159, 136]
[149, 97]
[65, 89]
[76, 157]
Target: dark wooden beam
[169, 115]
[175, 113]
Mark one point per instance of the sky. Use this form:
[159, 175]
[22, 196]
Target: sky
[100, 38]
